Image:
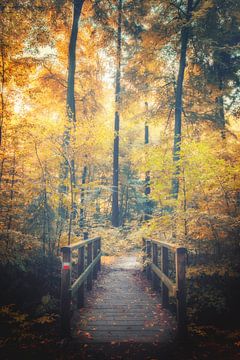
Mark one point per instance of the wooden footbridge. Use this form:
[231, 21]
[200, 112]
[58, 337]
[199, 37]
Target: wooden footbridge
[121, 306]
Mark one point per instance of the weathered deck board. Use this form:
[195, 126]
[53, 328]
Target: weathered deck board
[122, 308]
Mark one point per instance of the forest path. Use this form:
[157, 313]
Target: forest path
[123, 308]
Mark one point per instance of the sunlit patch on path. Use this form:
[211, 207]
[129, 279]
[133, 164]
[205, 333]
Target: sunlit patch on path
[123, 308]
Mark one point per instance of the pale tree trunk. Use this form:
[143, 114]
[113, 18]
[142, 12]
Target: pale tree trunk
[147, 189]
[82, 197]
[115, 189]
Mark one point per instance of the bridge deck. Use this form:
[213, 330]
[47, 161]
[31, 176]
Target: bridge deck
[123, 308]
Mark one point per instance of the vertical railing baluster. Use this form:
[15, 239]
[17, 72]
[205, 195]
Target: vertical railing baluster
[149, 260]
[89, 261]
[164, 266]
[65, 302]
[99, 250]
[81, 268]
[144, 254]
[95, 252]
[155, 280]
[181, 291]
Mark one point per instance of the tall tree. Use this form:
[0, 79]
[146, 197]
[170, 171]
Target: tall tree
[147, 174]
[219, 37]
[185, 34]
[115, 205]
[69, 164]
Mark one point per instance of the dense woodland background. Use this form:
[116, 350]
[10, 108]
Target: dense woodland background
[167, 74]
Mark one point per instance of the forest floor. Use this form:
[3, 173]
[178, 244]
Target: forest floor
[23, 338]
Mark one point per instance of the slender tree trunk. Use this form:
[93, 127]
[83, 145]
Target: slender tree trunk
[84, 177]
[71, 110]
[179, 102]
[44, 223]
[125, 215]
[185, 206]
[9, 215]
[121, 206]
[72, 206]
[2, 92]
[220, 108]
[147, 210]
[115, 205]
[1, 171]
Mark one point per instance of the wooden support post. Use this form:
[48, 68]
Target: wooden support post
[99, 250]
[65, 302]
[155, 280]
[181, 291]
[144, 254]
[164, 266]
[81, 267]
[89, 261]
[149, 260]
[95, 252]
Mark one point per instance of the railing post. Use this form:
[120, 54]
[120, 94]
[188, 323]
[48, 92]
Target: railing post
[155, 280]
[81, 267]
[181, 291]
[99, 250]
[164, 266]
[65, 292]
[149, 260]
[95, 252]
[144, 254]
[89, 261]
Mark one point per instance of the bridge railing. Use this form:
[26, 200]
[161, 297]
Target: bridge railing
[88, 265]
[157, 260]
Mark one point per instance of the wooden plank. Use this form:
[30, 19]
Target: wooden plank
[172, 247]
[144, 253]
[80, 244]
[81, 267]
[89, 262]
[95, 252]
[148, 254]
[181, 291]
[164, 265]
[155, 279]
[65, 301]
[99, 251]
[84, 275]
[170, 285]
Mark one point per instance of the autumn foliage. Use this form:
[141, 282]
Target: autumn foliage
[56, 176]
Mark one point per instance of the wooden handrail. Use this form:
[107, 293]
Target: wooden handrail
[160, 276]
[172, 247]
[90, 248]
[80, 244]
